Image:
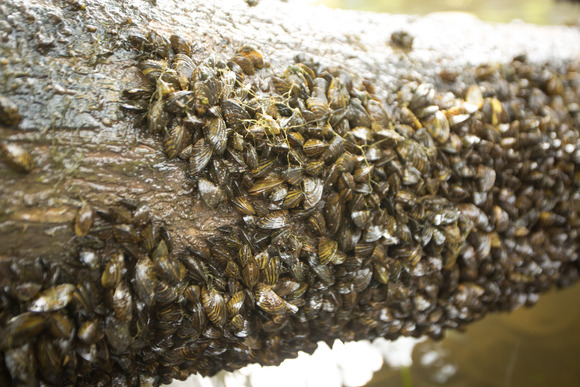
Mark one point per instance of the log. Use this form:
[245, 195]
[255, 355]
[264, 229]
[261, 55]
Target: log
[386, 175]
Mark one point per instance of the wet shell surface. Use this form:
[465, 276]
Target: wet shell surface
[353, 213]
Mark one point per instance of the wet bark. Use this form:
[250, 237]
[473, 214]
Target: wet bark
[65, 65]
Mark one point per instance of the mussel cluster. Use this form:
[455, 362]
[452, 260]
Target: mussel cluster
[357, 218]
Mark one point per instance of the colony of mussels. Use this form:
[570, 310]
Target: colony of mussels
[358, 218]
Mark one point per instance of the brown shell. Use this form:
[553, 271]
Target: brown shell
[235, 303]
[216, 135]
[200, 157]
[245, 63]
[123, 302]
[90, 331]
[251, 274]
[243, 205]
[174, 141]
[253, 55]
[271, 271]
[180, 44]
[60, 325]
[170, 269]
[274, 220]
[54, 298]
[16, 157]
[270, 302]
[327, 248]
[234, 114]
[145, 280]
[84, 220]
[214, 306]
[20, 329]
[113, 271]
[266, 184]
[211, 194]
[126, 233]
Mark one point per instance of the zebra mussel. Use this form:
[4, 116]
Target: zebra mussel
[357, 217]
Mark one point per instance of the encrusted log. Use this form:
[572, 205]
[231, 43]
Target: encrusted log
[376, 176]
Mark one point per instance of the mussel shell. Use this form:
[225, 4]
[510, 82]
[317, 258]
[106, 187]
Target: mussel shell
[90, 331]
[314, 147]
[126, 233]
[243, 205]
[180, 102]
[118, 335]
[327, 248]
[211, 194]
[165, 293]
[274, 220]
[19, 365]
[251, 274]
[180, 45]
[200, 157]
[214, 306]
[253, 55]
[60, 325]
[21, 329]
[26, 290]
[270, 302]
[16, 157]
[234, 114]
[245, 64]
[271, 271]
[84, 220]
[54, 298]
[216, 135]
[313, 189]
[174, 141]
[49, 360]
[123, 302]
[170, 269]
[234, 305]
[113, 271]
[438, 127]
[265, 185]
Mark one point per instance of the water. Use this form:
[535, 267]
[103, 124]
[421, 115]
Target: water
[532, 347]
[531, 11]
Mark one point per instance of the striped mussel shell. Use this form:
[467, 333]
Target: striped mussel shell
[270, 302]
[214, 306]
[180, 102]
[84, 220]
[216, 134]
[235, 303]
[145, 282]
[19, 329]
[166, 293]
[123, 302]
[211, 194]
[174, 140]
[48, 360]
[234, 114]
[253, 55]
[245, 63]
[180, 45]
[200, 157]
[271, 271]
[52, 299]
[90, 331]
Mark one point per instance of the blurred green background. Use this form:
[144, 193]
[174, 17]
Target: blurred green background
[531, 11]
